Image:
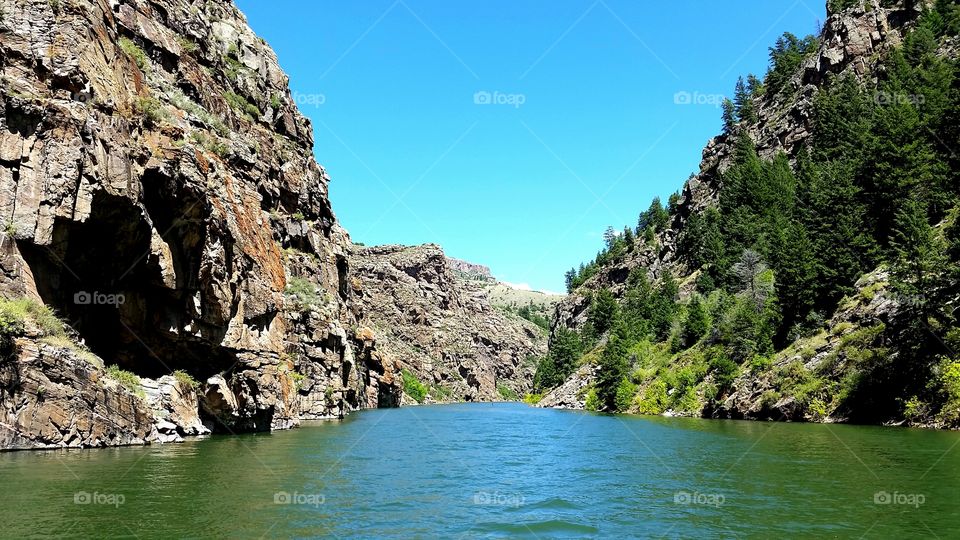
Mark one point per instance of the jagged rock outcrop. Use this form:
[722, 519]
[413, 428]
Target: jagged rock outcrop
[572, 394]
[470, 270]
[442, 327]
[154, 172]
[53, 397]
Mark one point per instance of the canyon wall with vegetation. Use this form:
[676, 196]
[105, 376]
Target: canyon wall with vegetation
[809, 270]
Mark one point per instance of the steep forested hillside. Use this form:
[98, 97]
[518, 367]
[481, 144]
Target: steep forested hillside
[810, 270]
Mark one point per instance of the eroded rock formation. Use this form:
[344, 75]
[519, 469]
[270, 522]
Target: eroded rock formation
[439, 323]
[158, 190]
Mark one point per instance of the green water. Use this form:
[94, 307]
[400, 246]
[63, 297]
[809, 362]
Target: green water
[492, 471]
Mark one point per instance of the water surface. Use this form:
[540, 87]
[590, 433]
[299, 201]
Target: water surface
[498, 471]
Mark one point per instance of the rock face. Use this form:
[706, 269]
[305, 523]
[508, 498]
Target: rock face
[54, 398]
[468, 270]
[158, 190]
[441, 325]
[572, 394]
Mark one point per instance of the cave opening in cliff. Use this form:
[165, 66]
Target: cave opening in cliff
[105, 280]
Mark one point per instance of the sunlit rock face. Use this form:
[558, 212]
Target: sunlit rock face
[434, 316]
[158, 190]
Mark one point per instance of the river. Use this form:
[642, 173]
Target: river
[499, 471]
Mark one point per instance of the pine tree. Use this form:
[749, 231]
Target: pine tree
[729, 117]
[614, 366]
[841, 117]
[697, 323]
[743, 103]
[754, 85]
[919, 256]
[902, 165]
[610, 237]
[565, 348]
[663, 307]
[655, 216]
[603, 311]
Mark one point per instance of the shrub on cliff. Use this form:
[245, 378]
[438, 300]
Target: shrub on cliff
[128, 380]
[16, 313]
[413, 387]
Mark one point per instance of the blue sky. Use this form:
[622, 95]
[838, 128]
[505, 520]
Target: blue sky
[513, 133]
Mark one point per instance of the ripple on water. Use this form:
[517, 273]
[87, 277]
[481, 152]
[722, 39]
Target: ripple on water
[553, 503]
[552, 528]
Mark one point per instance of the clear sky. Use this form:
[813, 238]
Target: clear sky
[511, 132]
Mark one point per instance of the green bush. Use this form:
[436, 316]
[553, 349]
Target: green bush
[132, 50]
[152, 110]
[761, 364]
[14, 314]
[506, 393]
[950, 382]
[128, 380]
[303, 292]
[688, 402]
[724, 370]
[532, 399]
[242, 105]
[655, 399]
[185, 379]
[592, 402]
[413, 387]
[625, 393]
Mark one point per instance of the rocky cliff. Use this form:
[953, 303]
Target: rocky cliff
[853, 43]
[158, 191]
[437, 320]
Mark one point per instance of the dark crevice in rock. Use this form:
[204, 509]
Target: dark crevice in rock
[100, 277]
[342, 268]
